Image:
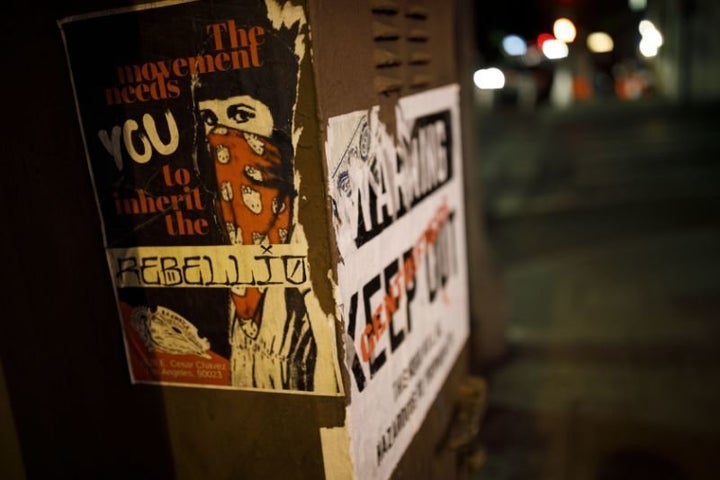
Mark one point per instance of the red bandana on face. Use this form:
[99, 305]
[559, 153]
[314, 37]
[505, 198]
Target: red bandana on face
[252, 204]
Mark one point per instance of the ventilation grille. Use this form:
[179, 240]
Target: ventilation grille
[401, 37]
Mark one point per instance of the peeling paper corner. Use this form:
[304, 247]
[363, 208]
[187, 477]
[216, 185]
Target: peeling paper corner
[337, 457]
[288, 16]
[345, 345]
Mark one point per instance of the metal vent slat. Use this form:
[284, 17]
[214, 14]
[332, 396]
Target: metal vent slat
[387, 7]
[418, 35]
[385, 85]
[419, 58]
[402, 35]
[385, 58]
[417, 11]
[384, 31]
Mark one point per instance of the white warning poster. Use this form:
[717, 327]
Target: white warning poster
[397, 207]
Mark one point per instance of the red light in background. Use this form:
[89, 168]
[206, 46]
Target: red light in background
[542, 38]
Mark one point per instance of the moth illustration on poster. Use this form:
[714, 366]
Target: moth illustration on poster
[398, 215]
[187, 110]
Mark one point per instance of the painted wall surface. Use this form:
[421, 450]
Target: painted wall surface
[398, 215]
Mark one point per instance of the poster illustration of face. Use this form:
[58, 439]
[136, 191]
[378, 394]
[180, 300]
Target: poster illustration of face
[188, 119]
[255, 186]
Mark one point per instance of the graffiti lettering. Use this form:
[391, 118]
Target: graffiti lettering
[378, 185]
[148, 138]
[435, 252]
[196, 270]
[398, 181]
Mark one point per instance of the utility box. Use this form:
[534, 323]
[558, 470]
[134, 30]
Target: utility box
[280, 194]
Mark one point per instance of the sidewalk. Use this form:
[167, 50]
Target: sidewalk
[613, 349]
[614, 360]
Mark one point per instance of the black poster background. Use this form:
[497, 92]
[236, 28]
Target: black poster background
[96, 47]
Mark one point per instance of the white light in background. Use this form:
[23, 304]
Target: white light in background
[647, 48]
[600, 42]
[489, 79]
[542, 38]
[637, 5]
[514, 46]
[651, 40]
[653, 36]
[564, 30]
[555, 49]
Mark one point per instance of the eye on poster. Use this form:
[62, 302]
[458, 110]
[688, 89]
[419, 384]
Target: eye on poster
[187, 114]
[398, 215]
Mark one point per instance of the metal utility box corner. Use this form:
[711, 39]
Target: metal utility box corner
[279, 192]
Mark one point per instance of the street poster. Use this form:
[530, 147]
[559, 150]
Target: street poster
[398, 215]
[187, 110]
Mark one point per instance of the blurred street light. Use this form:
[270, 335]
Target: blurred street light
[637, 5]
[651, 40]
[647, 48]
[649, 30]
[564, 30]
[555, 49]
[489, 79]
[600, 42]
[542, 38]
[514, 46]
